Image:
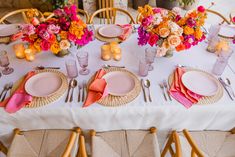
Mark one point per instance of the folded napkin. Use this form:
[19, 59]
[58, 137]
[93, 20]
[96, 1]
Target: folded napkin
[19, 98]
[179, 92]
[127, 30]
[97, 89]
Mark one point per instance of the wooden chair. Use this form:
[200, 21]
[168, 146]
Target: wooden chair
[224, 19]
[125, 143]
[108, 15]
[173, 139]
[208, 143]
[24, 14]
[53, 143]
[49, 15]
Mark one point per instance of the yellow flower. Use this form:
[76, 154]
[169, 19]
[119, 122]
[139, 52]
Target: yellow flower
[63, 35]
[198, 33]
[146, 10]
[164, 32]
[173, 40]
[64, 44]
[55, 48]
[188, 30]
[33, 36]
[182, 22]
[37, 45]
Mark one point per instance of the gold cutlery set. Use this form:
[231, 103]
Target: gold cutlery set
[82, 91]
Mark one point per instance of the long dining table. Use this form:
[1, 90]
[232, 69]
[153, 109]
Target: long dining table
[165, 115]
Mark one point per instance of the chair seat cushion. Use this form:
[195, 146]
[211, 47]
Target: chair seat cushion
[125, 144]
[211, 143]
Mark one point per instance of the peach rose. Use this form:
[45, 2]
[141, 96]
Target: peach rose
[173, 40]
[64, 44]
[164, 32]
[161, 51]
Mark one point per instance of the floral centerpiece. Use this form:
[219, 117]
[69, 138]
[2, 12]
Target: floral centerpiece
[168, 30]
[57, 33]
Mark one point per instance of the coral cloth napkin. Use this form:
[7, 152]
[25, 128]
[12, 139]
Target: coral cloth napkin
[97, 89]
[127, 30]
[179, 92]
[20, 98]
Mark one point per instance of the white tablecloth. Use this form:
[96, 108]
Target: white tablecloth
[135, 115]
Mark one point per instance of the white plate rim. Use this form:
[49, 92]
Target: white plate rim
[211, 77]
[9, 33]
[228, 26]
[111, 73]
[107, 36]
[36, 75]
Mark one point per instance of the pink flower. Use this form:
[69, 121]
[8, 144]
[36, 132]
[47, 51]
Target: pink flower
[73, 9]
[177, 18]
[44, 35]
[147, 21]
[234, 19]
[41, 27]
[157, 10]
[71, 37]
[201, 9]
[45, 45]
[233, 41]
[58, 12]
[28, 29]
[67, 10]
[53, 29]
[187, 45]
[153, 39]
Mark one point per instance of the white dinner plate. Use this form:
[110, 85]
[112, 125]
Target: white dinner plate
[200, 83]
[110, 31]
[227, 30]
[43, 84]
[8, 30]
[119, 83]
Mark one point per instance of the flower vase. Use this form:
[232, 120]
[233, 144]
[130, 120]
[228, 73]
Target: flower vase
[169, 53]
[62, 53]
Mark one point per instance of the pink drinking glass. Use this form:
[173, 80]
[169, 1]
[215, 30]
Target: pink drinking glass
[4, 62]
[143, 68]
[82, 57]
[150, 54]
[71, 68]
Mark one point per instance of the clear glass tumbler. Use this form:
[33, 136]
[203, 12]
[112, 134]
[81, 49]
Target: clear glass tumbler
[71, 68]
[4, 62]
[150, 54]
[221, 62]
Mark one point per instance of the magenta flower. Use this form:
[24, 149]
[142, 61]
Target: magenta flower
[234, 19]
[45, 45]
[157, 10]
[201, 9]
[153, 39]
[143, 36]
[147, 21]
[71, 37]
[53, 29]
[191, 22]
[73, 9]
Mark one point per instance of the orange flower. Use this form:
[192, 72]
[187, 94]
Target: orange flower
[164, 32]
[63, 35]
[55, 48]
[193, 14]
[182, 22]
[198, 33]
[146, 10]
[188, 30]
[180, 47]
[37, 44]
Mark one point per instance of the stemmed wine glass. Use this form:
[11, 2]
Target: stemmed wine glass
[82, 57]
[4, 62]
[150, 54]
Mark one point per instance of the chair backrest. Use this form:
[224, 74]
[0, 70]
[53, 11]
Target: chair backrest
[108, 15]
[3, 148]
[57, 143]
[25, 15]
[49, 15]
[125, 143]
[222, 19]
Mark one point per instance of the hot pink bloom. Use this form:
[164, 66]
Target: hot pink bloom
[71, 37]
[58, 12]
[234, 19]
[53, 29]
[201, 9]
[44, 35]
[45, 45]
[67, 10]
[153, 39]
[147, 21]
[28, 29]
[73, 9]
[233, 41]
[187, 45]
[157, 10]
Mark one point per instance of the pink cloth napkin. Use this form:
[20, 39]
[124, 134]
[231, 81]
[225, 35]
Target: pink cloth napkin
[97, 89]
[20, 98]
[127, 30]
[179, 92]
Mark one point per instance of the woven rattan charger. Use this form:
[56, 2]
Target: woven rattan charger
[207, 99]
[113, 101]
[42, 101]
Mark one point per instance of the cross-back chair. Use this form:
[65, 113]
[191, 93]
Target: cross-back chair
[25, 13]
[108, 15]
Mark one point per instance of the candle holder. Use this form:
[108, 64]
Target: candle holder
[19, 50]
[29, 54]
[111, 50]
[105, 52]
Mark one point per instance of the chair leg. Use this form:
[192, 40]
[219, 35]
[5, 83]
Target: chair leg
[3, 148]
[82, 147]
[167, 146]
